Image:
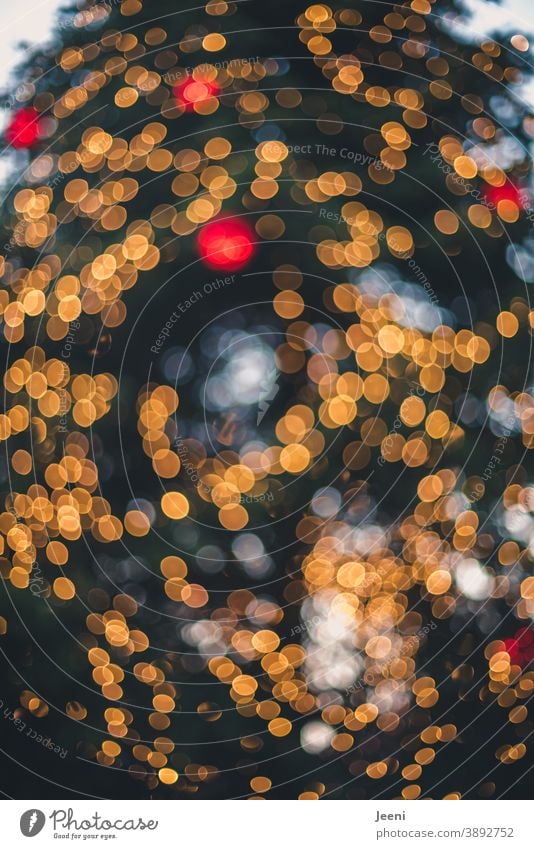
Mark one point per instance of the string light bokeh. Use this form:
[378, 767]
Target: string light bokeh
[267, 513]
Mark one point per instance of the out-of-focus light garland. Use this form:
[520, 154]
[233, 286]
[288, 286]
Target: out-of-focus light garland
[307, 558]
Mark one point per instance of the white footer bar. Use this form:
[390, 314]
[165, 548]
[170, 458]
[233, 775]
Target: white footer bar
[225, 824]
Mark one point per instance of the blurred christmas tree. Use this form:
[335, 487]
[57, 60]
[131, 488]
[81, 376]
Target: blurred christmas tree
[267, 522]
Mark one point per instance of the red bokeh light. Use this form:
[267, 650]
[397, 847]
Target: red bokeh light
[520, 647]
[191, 92]
[226, 244]
[508, 191]
[23, 129]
